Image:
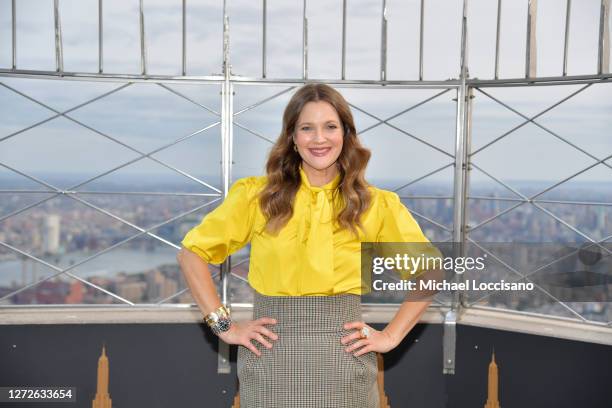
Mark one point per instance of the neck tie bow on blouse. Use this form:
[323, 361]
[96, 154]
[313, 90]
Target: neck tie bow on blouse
[315, 227]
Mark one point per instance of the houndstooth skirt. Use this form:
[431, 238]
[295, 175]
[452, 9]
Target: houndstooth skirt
[307, 366]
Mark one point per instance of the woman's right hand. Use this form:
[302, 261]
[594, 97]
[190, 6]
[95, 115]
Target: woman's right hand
[242, 333]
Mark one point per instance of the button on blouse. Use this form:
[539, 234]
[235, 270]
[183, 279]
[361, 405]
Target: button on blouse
[311, 255]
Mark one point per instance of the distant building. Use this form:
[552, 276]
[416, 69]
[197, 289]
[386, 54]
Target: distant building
[132, 291]
[51, 234]
[77, 292]
[159, 286]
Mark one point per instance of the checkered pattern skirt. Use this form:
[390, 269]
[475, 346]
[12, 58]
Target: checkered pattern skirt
[307, 366]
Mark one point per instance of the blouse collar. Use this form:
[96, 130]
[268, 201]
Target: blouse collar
[329, 186]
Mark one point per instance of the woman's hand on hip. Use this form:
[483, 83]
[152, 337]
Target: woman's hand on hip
[242, 333]
[377, 340]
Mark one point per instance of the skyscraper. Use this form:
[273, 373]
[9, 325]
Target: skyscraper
[103, 399]
[493, 387]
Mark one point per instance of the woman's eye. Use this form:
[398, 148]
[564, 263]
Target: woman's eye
[332, 126]
[305, 128]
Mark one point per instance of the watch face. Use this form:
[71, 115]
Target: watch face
[224, 324]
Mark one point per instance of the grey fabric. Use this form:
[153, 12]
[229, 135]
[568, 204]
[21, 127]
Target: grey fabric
[307, 366]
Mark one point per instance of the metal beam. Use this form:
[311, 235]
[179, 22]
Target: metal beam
[100, 37]
[421, 24]
[14, 33]
[304, 43]
[143, 44]
[449, 341]
[343, 69]
[568, 10]
[603, 49]
[223, 363]
[184, 38]
[383, 42]
[530, 48]
[459, 192]
[59, 52]
[497, 31]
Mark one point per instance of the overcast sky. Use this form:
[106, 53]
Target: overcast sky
[147, 116]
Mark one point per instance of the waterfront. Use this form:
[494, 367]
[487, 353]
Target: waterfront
[108, 265]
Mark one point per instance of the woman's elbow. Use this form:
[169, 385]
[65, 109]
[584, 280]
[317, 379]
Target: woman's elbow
[185, 254]
[180, 255]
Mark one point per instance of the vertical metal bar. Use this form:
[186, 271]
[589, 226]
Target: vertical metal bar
[343, 39]
[603, 50]
[459, 192]
[463, 60]
[263, 40]
[530, 47]
[460, 144]
[143, 56]
[383, 43]
[497, 39]
[566, 40]
[225, 179]
[100, 37]
[59, 57]
[184, 70]
[467, 168]
[14, 32]
[421, 40]
[223, 364]
[226, 157]
[304, 43]
[449, 340]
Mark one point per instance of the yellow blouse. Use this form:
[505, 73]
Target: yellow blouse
[308, 256]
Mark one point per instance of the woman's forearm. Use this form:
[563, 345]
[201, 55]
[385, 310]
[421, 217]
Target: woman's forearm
[199, 280]
[412, 308]
[406, 317]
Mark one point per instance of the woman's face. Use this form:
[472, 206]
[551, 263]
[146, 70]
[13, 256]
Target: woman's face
[319, 135]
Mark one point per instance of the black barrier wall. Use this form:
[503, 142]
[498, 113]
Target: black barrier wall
[174, 365]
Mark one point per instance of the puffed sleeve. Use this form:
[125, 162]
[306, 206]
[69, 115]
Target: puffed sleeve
[228, 227]
[397, 225]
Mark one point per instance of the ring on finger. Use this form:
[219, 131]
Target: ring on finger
[365, 332]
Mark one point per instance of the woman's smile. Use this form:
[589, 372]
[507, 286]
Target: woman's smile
[319, 151]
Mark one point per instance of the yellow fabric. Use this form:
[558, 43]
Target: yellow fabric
[310, 255]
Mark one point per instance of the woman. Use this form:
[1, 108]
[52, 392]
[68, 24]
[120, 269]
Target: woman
[305, 220]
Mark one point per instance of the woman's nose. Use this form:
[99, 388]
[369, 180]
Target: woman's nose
[318, 134]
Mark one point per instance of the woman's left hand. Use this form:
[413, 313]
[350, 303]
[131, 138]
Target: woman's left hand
[377, 340]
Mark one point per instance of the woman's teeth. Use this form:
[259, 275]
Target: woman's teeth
[320, 152]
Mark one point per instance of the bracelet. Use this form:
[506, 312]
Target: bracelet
[219, 320]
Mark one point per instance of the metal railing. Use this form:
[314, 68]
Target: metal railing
[461, 159]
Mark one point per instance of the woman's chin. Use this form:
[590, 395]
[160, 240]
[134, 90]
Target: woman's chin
[320, 163]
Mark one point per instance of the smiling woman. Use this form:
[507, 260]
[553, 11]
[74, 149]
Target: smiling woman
[306, 220]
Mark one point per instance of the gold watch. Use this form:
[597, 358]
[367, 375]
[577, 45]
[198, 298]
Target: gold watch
[219, 320]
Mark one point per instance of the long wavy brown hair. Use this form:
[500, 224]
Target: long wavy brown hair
[351, 198]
